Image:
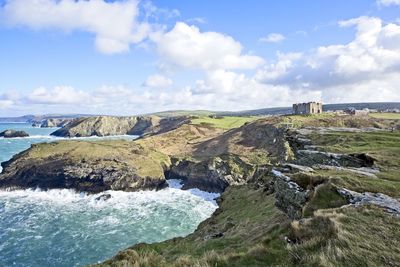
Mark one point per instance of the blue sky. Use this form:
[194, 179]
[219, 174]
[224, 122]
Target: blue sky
[221, 55]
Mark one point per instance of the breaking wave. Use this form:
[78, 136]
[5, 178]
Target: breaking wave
[64, 228]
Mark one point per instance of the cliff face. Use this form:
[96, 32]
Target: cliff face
[108, 125]
[86, 166]
[98, 126]
[49, 123]
[212, 175]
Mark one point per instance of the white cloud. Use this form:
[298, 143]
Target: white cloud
[114, 24]
[59, 95]
[365, 69]
[155, 12]
[199, 20]
[187, 47]
[273, 38]
[276, 70]
[157, 81]
[388, 2]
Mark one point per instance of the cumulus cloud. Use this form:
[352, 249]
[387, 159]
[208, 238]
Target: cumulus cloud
[187, 47]
[157, 81]
[59, 95]
[273, 38]
[388, 2]
[364, 69]
[114, 24]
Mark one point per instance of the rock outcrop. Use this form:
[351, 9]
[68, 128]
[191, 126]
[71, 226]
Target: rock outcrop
[86, 166]
[109, 125]
[391, 205]
[13, 134]
[290, 197]
[212, 175]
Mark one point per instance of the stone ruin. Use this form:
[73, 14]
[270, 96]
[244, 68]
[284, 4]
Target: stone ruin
[307, 108]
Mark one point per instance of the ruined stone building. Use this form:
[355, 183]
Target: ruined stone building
[307, 108]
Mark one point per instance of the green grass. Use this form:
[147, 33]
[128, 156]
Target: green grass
[383, 146]
[388, 116]
[173, 113]
[227, 122]
[301, 120]
[119, 153]
[349, 236]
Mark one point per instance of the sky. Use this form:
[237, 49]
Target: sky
[126, 57]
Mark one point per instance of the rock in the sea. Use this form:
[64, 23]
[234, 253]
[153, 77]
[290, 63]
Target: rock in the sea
[86, 166]
[13, 133]
[103, 197]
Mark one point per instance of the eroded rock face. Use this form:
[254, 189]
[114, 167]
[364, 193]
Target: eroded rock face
[312, 157]
[118, 165]
[390, 204]
[290, 197]
[13, 134]
[213, 175]
[49, 123]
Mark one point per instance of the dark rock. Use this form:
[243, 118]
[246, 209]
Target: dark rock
[290, 197]
[212, 175]
[213, 235]
[13, 133]
[103, 197]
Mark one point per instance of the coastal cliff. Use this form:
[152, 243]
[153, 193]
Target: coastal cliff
[290, 195]
[111, 125]
[86, 166]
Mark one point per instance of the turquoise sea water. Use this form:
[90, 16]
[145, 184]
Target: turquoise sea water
[68, 228]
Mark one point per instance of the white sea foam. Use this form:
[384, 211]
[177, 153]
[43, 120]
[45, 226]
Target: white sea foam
[44, 228]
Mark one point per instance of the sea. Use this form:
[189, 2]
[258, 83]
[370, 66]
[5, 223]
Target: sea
[62, 227]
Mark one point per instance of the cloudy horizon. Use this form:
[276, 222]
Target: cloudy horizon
[135, 57]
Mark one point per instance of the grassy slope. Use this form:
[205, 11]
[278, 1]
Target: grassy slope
[362, 236]
[148, 162]
[254, 230]
[389, 116]
[227, 122]
[383, 146]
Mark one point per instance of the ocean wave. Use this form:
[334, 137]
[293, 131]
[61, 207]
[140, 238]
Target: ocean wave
[46, 227]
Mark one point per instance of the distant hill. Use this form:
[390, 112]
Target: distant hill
[326, 107]
[39, 118]
[255, 112]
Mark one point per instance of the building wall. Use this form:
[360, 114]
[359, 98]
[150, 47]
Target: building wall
[307, 108]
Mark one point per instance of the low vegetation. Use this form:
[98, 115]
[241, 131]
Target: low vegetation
[388, 116]
[226, 122]
[383, 146]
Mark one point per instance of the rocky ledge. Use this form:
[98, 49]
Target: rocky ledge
[86, 166]
[13, 134]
